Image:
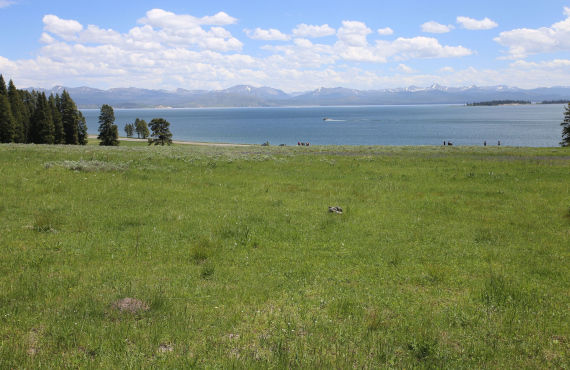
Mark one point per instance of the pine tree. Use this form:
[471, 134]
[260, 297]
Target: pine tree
[141, 128]
[82, 129]
[59, 136]
[17, 107]
[129, 129]
[42, 128]
[108, 131]
[29, 100]
[70, 118]
[6, 120]
[3, 90]
[160, 132]
[566, 128]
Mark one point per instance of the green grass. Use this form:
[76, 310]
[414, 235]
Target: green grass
[443, 258]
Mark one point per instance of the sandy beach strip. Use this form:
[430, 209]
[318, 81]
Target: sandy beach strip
[177, 142]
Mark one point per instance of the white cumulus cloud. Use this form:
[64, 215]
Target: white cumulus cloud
[304, 43]
[476, 25]
[523, 42]
[46, 38]
[267, 35]
[435, 27]
[421, 48]
[94, 34]
[67, 29]
[353, 33]
[164, 19]
[551, 64]
[360, 54]
[387, 31]
[219, 19]
[312, 31]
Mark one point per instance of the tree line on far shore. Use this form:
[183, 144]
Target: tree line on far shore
[32, 117]
[493, 103]
[109, 132]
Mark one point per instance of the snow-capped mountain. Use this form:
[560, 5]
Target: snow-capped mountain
[250, 96]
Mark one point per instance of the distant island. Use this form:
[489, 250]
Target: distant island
[563, 101]
[493, 103]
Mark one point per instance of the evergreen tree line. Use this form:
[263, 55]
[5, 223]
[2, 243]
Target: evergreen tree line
[32, 117]
[109, 132]
[140, 127]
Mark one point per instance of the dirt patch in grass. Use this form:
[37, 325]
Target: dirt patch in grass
[130, 305]
[165, 348]
[33, 339]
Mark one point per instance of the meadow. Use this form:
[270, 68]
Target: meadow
[443, 257]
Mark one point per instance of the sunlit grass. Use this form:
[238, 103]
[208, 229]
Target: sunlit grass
[443, 257]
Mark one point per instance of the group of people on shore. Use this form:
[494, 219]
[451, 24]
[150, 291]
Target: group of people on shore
[449, 143]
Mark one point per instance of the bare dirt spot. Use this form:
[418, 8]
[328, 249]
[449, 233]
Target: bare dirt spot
[130, 305]
[33, 346]
[89, 352]
[165, 348]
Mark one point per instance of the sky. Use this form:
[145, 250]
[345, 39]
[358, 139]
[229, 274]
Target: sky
[291, 45]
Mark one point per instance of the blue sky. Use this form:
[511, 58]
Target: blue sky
[292, 45]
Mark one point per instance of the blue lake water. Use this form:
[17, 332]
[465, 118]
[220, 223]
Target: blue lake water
[524, 125]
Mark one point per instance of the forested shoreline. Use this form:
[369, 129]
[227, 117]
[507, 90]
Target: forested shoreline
[494, 103]
[33, 117]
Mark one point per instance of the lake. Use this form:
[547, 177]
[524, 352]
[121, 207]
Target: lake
[522, 125]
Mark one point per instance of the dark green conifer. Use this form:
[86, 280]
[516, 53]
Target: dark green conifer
[160, 132]
[108, 131]
[29, 100]
[42, 128]
[3, 90]
[129, 129]
[18, 113]
[566, 127]
[141, 128]
[6, 120]
[70, 118]
[82, 129]
[59, 135]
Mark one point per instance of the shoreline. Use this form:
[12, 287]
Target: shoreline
[228, 145]
[182, 142]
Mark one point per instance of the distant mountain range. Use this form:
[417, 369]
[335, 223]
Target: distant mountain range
[249, 96]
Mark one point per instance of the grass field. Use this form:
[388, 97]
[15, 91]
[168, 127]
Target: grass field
[443, 257]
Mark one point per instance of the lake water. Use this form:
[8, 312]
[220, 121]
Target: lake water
[524, 125]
